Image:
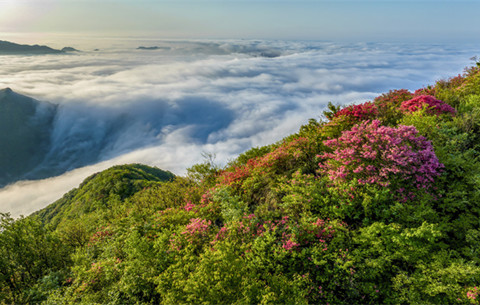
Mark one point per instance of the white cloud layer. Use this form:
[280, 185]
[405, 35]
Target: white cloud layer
[165, 107]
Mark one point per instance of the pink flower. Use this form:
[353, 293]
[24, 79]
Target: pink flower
[393, 97]
[433, 105]
[473, 294]
[197, 227]
[383, 156]
[359, 112]
[189, 206]
[289, 245]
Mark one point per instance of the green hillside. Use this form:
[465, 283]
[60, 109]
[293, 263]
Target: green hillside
[379, 203]
[102, 193]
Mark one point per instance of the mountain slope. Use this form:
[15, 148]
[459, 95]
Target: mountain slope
[102, 191]
[377, 204]
[25, 126]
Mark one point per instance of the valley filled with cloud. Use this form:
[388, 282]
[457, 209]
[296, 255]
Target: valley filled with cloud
[167, 104]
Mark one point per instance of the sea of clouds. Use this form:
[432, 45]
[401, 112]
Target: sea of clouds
[168, 106]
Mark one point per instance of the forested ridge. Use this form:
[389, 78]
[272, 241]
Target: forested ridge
[376, 203]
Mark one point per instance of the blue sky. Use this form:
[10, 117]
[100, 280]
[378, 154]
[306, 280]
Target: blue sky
[386, 20]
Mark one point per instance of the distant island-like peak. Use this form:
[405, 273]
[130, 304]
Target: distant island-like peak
[11, 48]
[153, 48]
[69, 49]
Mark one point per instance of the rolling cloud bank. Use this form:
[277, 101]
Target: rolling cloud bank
[166, 103]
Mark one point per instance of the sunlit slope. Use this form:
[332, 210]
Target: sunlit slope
[25, 126]
[103, 191]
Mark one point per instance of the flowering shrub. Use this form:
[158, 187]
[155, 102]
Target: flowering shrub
[388, 105]
[287, 152]
[100, 235]
[375, 154]
[393, 96]
[425, 91]
[195, 234]
[197, 228]
[359, 112]
[453, 82]
[290, 234]
[472, 295]
[188, 206]
[433, 105]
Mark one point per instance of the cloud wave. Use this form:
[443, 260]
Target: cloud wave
[164, 107]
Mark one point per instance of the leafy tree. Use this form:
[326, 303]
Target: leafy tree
[29, 256]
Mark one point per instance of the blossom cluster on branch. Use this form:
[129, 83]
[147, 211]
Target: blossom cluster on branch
[360, 112]
[382, 155]
[432, 105]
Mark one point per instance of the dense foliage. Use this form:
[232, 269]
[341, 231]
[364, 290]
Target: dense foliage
[380, 203]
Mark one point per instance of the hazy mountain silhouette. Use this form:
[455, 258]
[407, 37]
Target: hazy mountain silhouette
[69, 49]
[153, 48]
[25, 125]
[7, 47]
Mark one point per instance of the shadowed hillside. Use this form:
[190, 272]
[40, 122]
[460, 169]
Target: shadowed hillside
[25, 126]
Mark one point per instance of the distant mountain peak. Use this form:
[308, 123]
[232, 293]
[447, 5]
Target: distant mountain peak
[153, 48]
[69, 49]
[5, 92]
[7, 47]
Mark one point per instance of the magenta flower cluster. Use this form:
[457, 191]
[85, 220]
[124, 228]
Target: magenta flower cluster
[197, 227]
[376, 154]
[433, 105]
[287, 151]
[290, 234]
[425, 91]
[189, 206]
[473, 293]
[360, 112]
[100, 235]
[393, 96]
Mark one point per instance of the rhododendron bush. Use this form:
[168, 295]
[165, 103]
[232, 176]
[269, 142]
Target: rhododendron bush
[472, 295]
[359, 112]
[388, 105]
[394, 97]
[376, 154]
[283, 156]
[432, 105]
